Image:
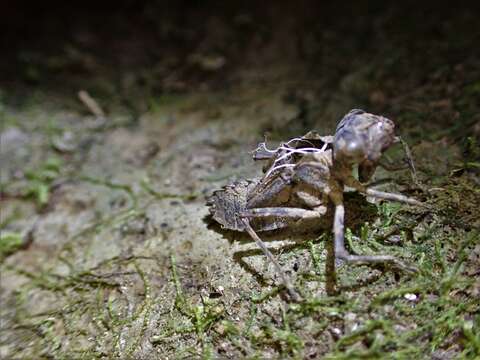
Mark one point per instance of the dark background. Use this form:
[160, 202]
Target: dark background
[46, 42]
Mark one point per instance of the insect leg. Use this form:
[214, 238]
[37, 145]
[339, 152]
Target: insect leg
[290, 213]
[286, 281]
[392, 167]
[342, 253]
[354, 183]
[408, 155]
[339, 232]
[391, 196]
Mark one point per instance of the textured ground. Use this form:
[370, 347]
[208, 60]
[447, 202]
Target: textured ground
[106, 248]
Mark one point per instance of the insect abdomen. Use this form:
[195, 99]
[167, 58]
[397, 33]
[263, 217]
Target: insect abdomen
[228, 203]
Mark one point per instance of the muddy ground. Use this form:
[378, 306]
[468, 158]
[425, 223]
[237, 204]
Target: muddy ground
[107, 250]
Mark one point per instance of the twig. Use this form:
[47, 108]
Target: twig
[90, 103]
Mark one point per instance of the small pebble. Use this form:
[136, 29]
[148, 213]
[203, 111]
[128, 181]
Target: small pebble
[336, 331]
[394, 239]
[410, 297]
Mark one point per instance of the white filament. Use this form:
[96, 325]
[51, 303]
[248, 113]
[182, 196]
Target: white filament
[288, 152]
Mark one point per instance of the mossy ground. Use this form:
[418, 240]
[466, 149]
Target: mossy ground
[106, 248]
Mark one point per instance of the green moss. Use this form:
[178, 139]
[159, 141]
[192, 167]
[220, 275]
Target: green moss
[40, 179]
[201, 317]
[9, 243]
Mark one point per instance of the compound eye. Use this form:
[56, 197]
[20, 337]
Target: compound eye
[356, 112]
[351, 149]
[382, 137]
[354, 149]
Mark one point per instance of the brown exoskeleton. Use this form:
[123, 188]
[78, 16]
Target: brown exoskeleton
[303, 178]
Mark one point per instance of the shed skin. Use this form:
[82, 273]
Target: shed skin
[301, 188]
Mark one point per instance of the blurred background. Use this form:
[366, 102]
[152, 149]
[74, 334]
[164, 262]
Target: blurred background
[128, 52]
[119, 118]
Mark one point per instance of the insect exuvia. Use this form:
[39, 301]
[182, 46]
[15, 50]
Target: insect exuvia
[304, 178]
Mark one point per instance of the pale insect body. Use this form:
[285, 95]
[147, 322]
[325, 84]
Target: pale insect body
[278, 187]
[305, 177]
